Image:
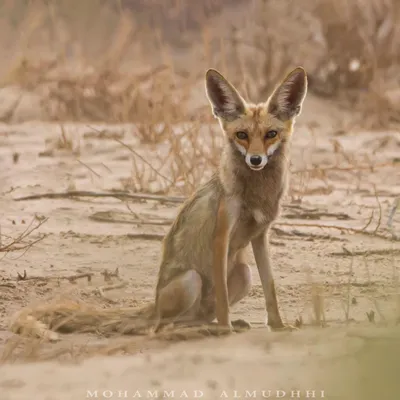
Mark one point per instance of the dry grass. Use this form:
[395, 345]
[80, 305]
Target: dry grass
[186, 157]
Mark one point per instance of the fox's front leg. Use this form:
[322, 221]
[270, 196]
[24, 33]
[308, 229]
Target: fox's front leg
[220, 266]
[261, 256]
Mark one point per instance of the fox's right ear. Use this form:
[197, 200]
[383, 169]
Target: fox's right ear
[225, 100]
[287, 99]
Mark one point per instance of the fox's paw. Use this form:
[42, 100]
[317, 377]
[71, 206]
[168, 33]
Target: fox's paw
[282, 327]
[275, 324]
[286, 328]
[240, 325]
[220, 330]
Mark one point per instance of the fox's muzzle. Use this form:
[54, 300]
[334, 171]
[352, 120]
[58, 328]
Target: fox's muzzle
[256, 161]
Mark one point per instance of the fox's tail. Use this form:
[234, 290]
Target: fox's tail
[46, 320]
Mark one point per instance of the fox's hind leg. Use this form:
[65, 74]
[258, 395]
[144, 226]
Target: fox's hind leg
[239, 285]
[180, 299]
[239, 280]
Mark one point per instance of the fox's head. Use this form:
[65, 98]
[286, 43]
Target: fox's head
[257, 130]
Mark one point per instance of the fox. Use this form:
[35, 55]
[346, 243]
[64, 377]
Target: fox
[203, 270]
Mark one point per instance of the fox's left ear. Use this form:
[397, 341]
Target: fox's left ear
[225, 100]
[287, 99]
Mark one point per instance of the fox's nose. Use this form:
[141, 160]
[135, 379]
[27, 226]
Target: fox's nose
[255, 160]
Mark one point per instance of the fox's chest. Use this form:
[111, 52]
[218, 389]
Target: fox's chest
[253, 206]
[249, 223]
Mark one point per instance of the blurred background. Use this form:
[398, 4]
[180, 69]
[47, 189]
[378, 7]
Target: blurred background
[139, 60]
[143, 62]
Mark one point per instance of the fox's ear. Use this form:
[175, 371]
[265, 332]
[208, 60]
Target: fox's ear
[225, 100]
[287, 99]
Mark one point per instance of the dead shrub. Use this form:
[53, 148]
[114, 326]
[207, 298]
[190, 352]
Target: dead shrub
[259, 53]
[186, 157]
[99, 94]
[87, 82]
[77, 69]
[349, 49]
[360, 38]
[360, 57]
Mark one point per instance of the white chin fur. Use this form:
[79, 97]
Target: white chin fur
[256, 168]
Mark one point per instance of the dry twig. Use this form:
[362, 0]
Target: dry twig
[17, 243]
[379, 252]
[71, 278]
[118, 195]
[100, 291]
[108, 275]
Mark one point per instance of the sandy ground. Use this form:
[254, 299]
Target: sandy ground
[351, 285]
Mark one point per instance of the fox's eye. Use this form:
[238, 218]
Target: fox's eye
[270, 134]
[241, 135]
